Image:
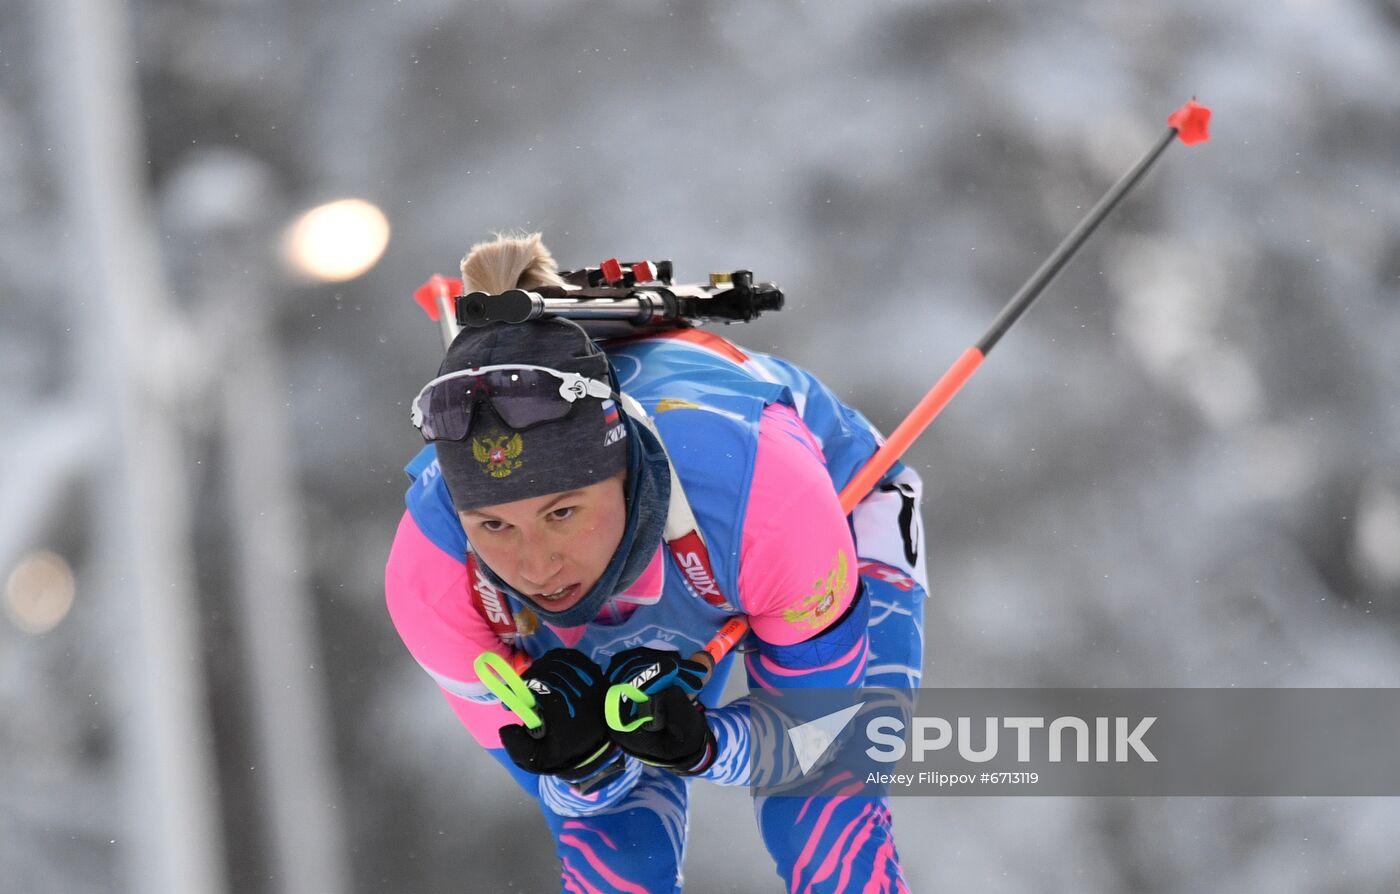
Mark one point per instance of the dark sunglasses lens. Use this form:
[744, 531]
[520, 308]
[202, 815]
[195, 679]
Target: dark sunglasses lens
[447, 412]
[526, 397]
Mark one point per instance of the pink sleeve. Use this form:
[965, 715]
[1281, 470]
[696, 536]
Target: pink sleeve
[426, 590]
[797, 569]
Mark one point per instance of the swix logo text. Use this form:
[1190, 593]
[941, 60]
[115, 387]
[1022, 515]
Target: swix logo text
[491, 602]
[698, 574]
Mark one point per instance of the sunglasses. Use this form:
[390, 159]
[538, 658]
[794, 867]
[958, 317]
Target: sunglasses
[522, 396]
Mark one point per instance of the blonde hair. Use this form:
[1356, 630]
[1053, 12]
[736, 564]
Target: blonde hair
[510, 261]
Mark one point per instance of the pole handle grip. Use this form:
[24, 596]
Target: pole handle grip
[612, 709]
[720, 645]
[497, 674]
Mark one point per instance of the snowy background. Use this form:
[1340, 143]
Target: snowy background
[1179, 470]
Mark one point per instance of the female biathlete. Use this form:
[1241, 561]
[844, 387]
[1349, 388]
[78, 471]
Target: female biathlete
[604, 511]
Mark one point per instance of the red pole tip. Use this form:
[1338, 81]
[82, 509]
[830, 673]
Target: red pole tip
[428, 292]
[1190, 122]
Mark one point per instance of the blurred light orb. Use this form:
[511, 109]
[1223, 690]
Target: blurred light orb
[39, 593]
[337, 241]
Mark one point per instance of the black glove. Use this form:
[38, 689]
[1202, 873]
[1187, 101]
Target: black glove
[678, 738]
[573, 741]
[683, 744]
